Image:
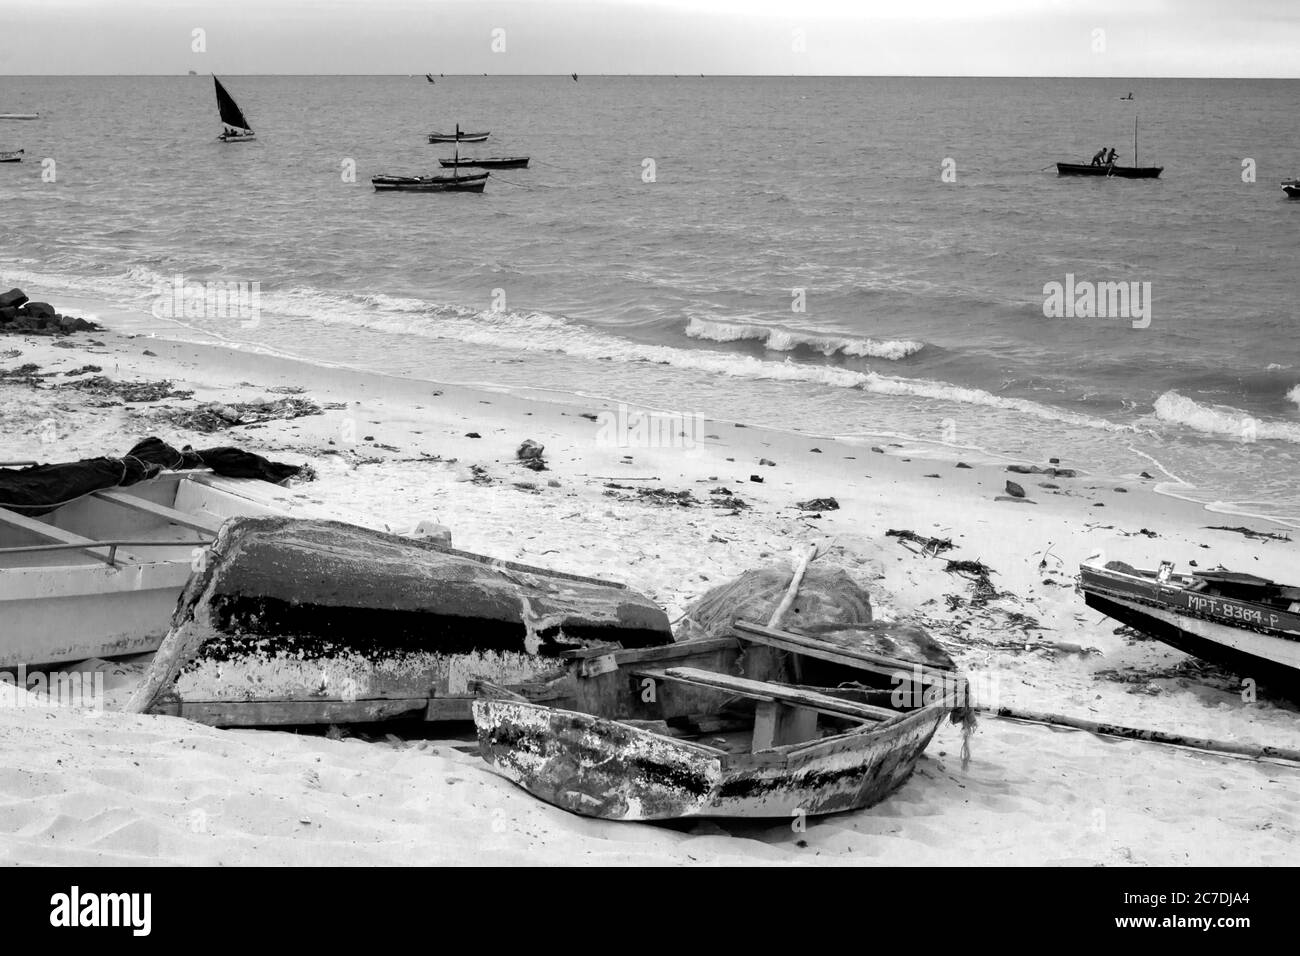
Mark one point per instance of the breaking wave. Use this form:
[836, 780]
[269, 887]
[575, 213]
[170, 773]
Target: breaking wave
[535, 331]
[783, 340]
[1224, 420]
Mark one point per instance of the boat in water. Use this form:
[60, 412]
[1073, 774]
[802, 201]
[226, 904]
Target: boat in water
[762, 723]
[12, 156]
[458, 137]
[19, 116]
[1245, 623]
[1110, 170]
[429, 77]
[296, 621]
[99, 575]
[455, 183]
[430, 184]
[488, 162]
[1292, 188]
[236, 128]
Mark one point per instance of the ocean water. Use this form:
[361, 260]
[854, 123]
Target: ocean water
[921, 314]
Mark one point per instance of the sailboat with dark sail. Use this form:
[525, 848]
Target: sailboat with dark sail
[235, 128]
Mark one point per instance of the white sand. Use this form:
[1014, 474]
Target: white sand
[77, 787]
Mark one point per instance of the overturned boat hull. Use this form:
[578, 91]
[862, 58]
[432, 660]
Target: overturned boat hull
[299, 622]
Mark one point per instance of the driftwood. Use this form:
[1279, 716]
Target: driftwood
[1150, 736]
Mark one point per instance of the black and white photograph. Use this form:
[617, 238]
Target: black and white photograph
[651, 433]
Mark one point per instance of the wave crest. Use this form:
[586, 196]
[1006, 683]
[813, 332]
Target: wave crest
[783, 340]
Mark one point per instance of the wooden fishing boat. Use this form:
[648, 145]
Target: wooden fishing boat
[741, 726]
[19, 116]
[295, 621]
[1246, 623]
[487, 162]
[1292, 188]
[472, 183]
[1118, 172]
[236, 129]
[12, 156]
[458, 137]
[100, 575]
[1110, 170]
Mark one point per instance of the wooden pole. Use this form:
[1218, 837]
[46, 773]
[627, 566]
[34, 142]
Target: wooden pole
[1150, 736]
[800, 569]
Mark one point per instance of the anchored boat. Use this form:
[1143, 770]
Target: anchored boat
[19, 116]
[489, 162]
[236, 128]
[1246, 623]
[430, 184]
[13, 156]
[455, 183]
[1292, 188]
[763, 723]
[458, 137]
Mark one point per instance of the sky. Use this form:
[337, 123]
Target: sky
[1214, 38]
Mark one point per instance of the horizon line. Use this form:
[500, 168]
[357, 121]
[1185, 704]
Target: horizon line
[679, 75]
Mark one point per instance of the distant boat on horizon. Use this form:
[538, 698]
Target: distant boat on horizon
[236, 127]
[429, 77]
[1129, 97]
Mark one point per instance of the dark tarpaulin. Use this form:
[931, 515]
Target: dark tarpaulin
[39, 489]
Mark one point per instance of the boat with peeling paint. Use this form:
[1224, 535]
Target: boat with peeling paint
[1246, 623]
[761, 724]
[296, 622]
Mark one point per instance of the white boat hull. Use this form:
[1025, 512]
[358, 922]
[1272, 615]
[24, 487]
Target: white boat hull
[70, 605]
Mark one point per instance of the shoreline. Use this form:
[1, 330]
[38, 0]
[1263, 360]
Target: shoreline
[400, 450]
[949, 453]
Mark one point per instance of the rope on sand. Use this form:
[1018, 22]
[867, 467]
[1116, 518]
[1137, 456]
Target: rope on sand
[1150, 736]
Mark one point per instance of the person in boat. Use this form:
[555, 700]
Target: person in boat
[1111, 157]
[1099, 156]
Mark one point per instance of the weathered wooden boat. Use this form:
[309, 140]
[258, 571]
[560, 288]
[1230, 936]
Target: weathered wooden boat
[99, 576]
[759, 724]
[488, 162]
[19, 116]
[12, 156]
[1110, 169]
[458, 137]
[1292, 188]
[472, 183]
[1246, 623]
[236, 129]
[296, 621]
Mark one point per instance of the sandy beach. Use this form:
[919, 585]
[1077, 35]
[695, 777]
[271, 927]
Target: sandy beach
[104, 787]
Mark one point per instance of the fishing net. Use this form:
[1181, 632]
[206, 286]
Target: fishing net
[827, 596]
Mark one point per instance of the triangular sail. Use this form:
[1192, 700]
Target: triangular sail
[231, 115]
